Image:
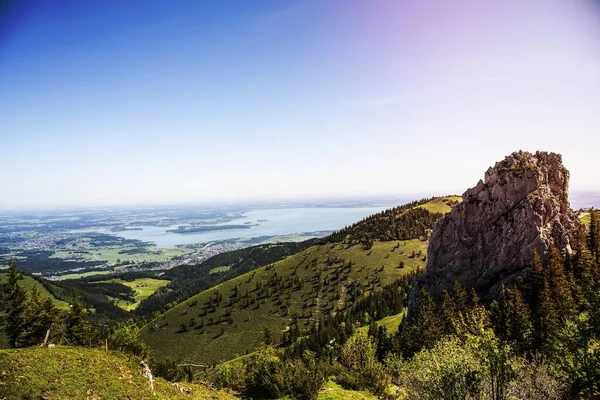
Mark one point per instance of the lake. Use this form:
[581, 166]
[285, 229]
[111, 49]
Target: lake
[277, 222]
[285, 221]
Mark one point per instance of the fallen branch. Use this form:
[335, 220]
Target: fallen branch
[192, 365]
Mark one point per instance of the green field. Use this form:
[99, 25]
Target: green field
[28, 283]
[587, 217]
[114, 256]
[218, 331]
[440, 205]
[80, 275]
[83, 251]
[83, 373]
[217, 270]
[143, 287]
[391, 323]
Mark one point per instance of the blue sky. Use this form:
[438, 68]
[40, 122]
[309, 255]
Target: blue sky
[151, 102]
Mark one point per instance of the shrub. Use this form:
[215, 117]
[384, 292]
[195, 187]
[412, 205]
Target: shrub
[447, 371]
[166, 368]
[230, 375]
[125, 338]
[536, 380]
[303, 378]
[359, 356]
[263, 375]
[585, 371]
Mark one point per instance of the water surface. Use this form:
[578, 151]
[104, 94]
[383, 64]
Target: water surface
[277, 222]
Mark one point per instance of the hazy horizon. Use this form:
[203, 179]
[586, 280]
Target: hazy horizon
[112, 103]
[577, 199]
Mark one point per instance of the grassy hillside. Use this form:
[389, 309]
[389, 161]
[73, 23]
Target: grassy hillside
[143, 288]
[229, 319]
[28, 282]
[408, 221]
[441, 205]
[94, 296]
[80, 373]
[188, 280]
[391, 323]
[332, 391]
[586, 218]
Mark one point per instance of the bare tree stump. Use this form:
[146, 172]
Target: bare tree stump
[46, 338]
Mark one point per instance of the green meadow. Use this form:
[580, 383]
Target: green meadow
[85, 373]
[229, 320]
[84, 251]
[28, 282]
[143, 287]
[440, 205]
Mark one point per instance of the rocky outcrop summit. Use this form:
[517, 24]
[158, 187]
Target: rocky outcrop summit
[521, 206]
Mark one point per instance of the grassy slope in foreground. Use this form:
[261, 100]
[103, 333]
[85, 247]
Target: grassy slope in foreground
[80, 373]
[213, 336]
[332, 391]
[28, 282]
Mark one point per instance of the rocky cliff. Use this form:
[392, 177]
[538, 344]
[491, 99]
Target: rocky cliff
[522, 205]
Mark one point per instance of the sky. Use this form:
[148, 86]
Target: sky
[116, 102]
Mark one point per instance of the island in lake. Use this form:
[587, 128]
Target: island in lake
[207, 228]
[124, 228]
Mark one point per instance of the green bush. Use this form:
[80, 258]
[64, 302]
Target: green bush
[166, 368]
[362, 371]
[268, 377]
[263, 375]
[449, 371]
[303, 378]
[125, 338]
[536, 380]
[230, 375]
[585, 371]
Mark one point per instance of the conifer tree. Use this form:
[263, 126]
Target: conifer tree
[448, 312]
[15, 307]
[461, 297]
[512, 318]
[594, 234]
[41, 315]
[373, 330]
[535, 299]
[461, 312]
[547, 318]
[424, 326]
[78, 329]
[384, 343]
[559, 284]
[268, 337]
[584, 273]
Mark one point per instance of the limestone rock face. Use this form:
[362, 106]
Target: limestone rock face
[522, 205]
